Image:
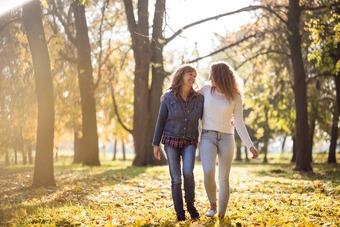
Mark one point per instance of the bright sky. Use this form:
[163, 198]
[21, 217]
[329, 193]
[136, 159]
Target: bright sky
[183, 12]
[9, 5]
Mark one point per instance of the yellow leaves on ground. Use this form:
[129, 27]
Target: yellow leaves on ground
[121, 195]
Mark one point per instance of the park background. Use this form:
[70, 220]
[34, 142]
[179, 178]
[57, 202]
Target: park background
[79, 96]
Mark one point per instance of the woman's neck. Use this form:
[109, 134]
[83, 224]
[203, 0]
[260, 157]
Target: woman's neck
[184, 92]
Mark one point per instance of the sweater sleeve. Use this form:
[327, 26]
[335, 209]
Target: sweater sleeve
[239, 123]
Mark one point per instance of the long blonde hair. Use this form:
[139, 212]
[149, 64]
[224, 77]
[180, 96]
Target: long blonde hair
[226, 79]
[176, 78]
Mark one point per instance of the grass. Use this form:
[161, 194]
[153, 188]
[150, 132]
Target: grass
[117, 194]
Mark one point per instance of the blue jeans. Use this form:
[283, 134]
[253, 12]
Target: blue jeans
[188, 161]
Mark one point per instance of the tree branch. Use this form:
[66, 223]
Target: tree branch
[67, 31]
[116, 111]
[130, 19]
[100, 64]
[7, 23]
[262, 53]
[245, 9]
[222, 49]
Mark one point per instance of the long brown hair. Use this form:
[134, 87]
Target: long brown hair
[226, 79]
[176, 78]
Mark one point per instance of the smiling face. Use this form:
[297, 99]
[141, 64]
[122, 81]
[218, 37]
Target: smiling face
[183, 79]
[189, 79]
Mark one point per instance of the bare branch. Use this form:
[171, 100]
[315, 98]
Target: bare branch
[116, 111]
[130, 19]
[267, 8]
[100, 64]
[67, 30]
[4, 26]
[222, 49]
[245, 9]
[262, 53]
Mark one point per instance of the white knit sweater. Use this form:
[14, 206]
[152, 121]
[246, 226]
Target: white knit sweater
[218, 113]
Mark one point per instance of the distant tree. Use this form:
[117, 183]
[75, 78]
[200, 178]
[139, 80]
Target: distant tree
[43, 168]
[324, 31]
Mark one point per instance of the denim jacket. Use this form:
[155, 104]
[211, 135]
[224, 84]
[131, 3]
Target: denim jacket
[176, 121]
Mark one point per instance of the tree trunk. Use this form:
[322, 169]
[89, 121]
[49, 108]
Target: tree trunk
[77, 158]
[293, 160]
[334, 136]
[7, 162]
[139, 31]
[158, 75]
[265, 150]
[43, 168]
[89, 141]
[22, 143]
[303, 156]
[114, 151]
[283, 145]
[238, 148]
[56, 156]
[123, 150]
[15, 156]
[337, 88]
[29, 153]
[311, 134]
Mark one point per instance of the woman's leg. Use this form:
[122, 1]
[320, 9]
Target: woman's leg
[174, 161]
[226, 146]
[208, 159]
[188, 157]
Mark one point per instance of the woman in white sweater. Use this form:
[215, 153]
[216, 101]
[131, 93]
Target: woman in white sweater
[222, 103]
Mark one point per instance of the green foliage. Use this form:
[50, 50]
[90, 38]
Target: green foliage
[324, 32]
[117, 194]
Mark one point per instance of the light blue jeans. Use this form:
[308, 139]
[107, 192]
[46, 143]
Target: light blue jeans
[188, 155]
[216, 144]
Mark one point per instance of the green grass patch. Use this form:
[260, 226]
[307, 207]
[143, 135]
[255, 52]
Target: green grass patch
[118, 194]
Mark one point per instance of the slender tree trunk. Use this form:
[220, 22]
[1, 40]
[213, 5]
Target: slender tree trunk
[337, 88]
[265, 150]
[311, 135]
[24, 156]
[7, 162]
[114, 151]
[238, 149]
[89, 145]
[29, 153]
[334, 136]
[77, 158]
[293, 160]
[123, 150]
[246, 153]
[283, 145]
[15, 156]
[43, 168]
[56, 156]
[303, 156]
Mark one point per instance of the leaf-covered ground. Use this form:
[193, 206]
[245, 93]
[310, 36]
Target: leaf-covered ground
[117, 194]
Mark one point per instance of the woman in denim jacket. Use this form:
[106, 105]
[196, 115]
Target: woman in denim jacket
[177, 128]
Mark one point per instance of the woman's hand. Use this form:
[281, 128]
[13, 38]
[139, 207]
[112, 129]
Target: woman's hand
[254, 152]
[157, 152]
